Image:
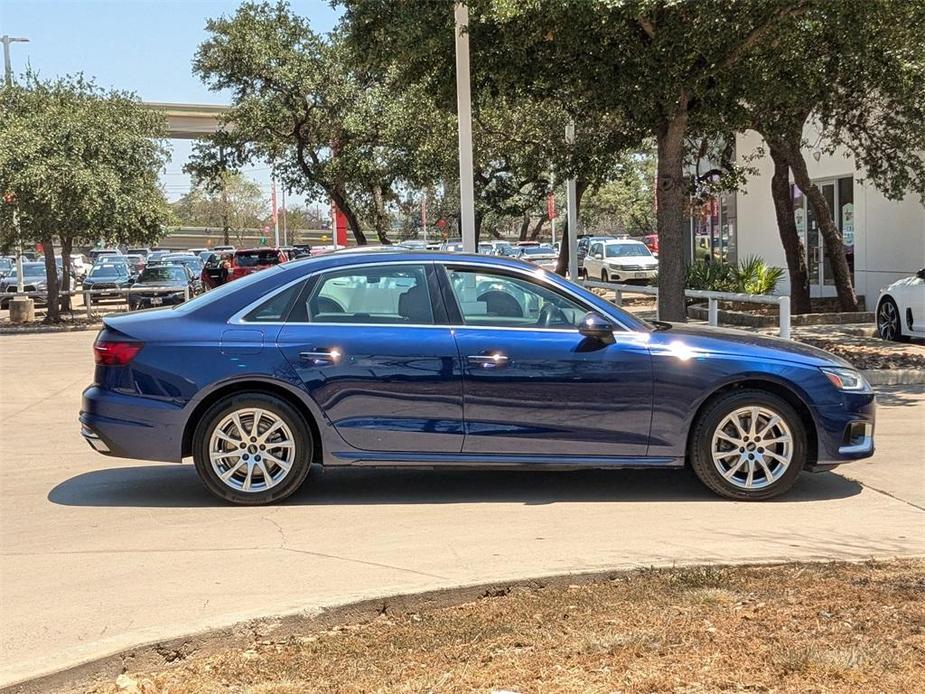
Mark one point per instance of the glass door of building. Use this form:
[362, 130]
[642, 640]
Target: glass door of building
[839, 197]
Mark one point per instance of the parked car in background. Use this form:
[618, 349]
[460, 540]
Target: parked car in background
[395, 358]
[215, 270]
[34, 280]
[142, 251]
[136, 262]
[452, 246]
[6, 266]
[500, 248]
[191, 262]
[546, 258]
[651, 241]
[175, 277]
[80, 265]
[96, 253]
[901, 309]
[246, 261]
[224, 249]
[624, 261]
[413, 245]
[584, 242]
[155, 256]
[110, 278]
[198, 251]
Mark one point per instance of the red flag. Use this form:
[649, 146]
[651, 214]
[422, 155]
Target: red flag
[551, 205]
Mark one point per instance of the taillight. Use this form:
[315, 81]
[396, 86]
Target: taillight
[113, 353]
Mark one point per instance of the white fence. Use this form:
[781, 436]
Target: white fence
[713, 299]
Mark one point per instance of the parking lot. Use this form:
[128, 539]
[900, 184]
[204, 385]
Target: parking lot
[99, 554]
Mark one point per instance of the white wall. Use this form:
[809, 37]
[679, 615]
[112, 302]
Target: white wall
[889, 235]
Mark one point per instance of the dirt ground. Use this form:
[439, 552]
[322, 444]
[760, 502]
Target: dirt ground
[792, 628]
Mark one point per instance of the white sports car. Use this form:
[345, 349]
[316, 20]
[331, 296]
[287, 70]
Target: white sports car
[901, 308]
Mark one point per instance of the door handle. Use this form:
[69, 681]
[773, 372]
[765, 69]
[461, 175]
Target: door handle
[321, 356]
[488, 361]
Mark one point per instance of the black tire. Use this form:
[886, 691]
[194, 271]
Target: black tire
[701, 441]
[889, 322]
[302, 456]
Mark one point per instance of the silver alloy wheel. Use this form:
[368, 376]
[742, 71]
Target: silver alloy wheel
[888, 321]
[752, 447]
[252, 450]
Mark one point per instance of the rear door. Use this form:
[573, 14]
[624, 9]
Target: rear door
[372, 347]
[534, 386]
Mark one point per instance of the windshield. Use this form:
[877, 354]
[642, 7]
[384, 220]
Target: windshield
[31, 270]
[5, 263]
[108, 271]
[625, 250]
[163, 273]
[255, 258]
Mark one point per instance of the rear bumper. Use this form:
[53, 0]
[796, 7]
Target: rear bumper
[131, 426]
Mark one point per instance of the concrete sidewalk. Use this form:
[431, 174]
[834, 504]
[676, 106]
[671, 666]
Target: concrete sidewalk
[99, 554]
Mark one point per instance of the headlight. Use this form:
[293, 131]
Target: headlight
[847, 379]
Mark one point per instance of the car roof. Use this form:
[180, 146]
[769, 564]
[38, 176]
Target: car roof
[615, 242]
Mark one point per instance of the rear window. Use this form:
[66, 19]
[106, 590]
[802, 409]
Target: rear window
[162, 273]
[104, 271]
[255, 258]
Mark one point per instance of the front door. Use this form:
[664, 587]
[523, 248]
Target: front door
[839, 197]
[533, 385]
[372, 348]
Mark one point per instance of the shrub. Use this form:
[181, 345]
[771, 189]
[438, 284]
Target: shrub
[751, 276]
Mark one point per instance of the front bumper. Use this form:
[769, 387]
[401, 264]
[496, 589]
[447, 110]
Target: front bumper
[619, 274]
[845, 432]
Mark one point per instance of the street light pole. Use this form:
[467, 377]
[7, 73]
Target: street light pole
[464, 113]
[572, 201]
[8, 76]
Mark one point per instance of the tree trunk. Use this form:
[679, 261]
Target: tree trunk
[831, 236]
[670, 197]
[479, 217]
[52, 315]
[794, 250]
[524, 227]
[538, 228]
[67, 245]
[380, 215]
[352, 220]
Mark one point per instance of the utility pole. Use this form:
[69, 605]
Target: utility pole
[8, 75]
[424, 216]
[275, 214]
[285, 228]
[464, 113]
[572, 201]
[7, 66]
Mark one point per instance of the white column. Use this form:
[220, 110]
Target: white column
[572, 201]
[464, 110]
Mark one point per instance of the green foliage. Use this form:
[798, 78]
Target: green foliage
[235, 202]
[751, 276]
[626, 204]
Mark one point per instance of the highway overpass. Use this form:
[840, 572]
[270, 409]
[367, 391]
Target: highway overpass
[189, 121]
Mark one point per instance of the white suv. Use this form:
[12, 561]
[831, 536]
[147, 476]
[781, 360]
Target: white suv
[622, 260]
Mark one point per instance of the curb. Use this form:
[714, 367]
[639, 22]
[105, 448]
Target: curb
[173, 651]
[895, 377]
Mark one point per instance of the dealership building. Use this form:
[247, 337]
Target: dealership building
[884, 239]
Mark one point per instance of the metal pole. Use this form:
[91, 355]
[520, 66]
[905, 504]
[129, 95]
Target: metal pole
[285, 228]
[275, 215]
[19, 277]
[572, 202]
[784, 303]
[464, 111]
[424, 216]
[8, 76]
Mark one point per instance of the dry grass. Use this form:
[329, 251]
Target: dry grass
[796, 628]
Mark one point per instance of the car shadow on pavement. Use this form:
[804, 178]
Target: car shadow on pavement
[177, 486]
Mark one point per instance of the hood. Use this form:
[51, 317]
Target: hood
[742, 343]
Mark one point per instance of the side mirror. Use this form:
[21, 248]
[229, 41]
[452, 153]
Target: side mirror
[921, 274]
[597, 327]
[598, 256]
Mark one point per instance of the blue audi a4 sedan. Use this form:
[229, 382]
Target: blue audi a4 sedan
[410, 359]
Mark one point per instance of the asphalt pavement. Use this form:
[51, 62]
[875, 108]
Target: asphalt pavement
[98, 554]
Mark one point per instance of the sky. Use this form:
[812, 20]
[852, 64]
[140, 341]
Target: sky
[144, 46]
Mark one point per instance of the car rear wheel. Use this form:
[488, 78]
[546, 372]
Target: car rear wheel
[748, 445]
[889, 323]
[252, 448]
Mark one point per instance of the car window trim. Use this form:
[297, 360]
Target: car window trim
[527, 274]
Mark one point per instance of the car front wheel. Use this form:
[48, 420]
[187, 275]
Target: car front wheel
[748, 445]
[889, 324]
[252, 448]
